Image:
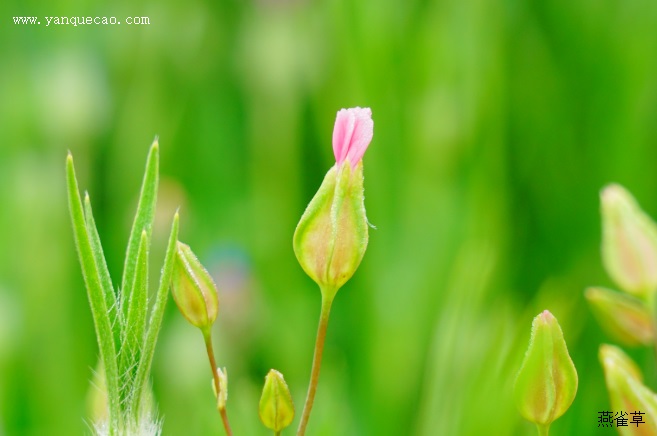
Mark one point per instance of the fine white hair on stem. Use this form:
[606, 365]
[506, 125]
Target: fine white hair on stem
[147, 426]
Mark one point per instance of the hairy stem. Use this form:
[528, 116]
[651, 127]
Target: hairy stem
[317, 362]
[207, 335]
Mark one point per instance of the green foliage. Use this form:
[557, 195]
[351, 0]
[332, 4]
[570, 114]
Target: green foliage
[497, 125]
[126, 346]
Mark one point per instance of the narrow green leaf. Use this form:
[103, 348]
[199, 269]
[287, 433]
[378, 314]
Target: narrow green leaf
[137, 311]
[155, 320]
[92, 279]
[105, 279]
[143, 222]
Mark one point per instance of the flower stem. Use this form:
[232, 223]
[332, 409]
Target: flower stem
[317, 362]
[207, 335]
[543, 430]
[651, 302]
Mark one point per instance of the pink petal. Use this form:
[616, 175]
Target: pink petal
[352, 134]
[362, 135]
[342, 131]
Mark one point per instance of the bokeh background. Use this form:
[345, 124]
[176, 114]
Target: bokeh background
[496, 125]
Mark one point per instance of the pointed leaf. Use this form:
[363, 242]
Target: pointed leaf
[137, 311]
[143, 222]
[95, 294]
[155, 321]
[105, 279]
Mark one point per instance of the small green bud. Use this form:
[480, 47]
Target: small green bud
[276, 407]
[622, 316]
[223, 388]
[193, 290]
[626, 390]
[629, 242]
[547, 381]
[331, 237]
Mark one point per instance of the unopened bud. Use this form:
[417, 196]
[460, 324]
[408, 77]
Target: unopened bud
[222, 398]
[629, 242]
[193, 290]
[276, 407]
[547, 381]
[624, 317]
[331, 237]
[610, 355]
[627, 392]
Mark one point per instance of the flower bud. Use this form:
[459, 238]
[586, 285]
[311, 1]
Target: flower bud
[629, 242]
[622, 316]
[331, 237]
[276, 407]
[193, 290]
[223, 388]
[352, 135]
[547, 381]
[613, 355]
[627, 392]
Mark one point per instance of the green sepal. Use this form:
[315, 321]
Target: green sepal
[331, 237]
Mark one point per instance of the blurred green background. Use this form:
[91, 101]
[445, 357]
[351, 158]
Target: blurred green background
[496, 125]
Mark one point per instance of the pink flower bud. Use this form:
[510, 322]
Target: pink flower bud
[352, 134]
[331, 237]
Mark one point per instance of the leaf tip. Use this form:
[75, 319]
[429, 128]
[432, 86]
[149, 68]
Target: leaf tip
[69, 159]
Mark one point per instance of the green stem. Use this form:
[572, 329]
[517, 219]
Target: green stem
[651, 301]
[543, 430]
[277, 433]
[207, 335]
[317, 362]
